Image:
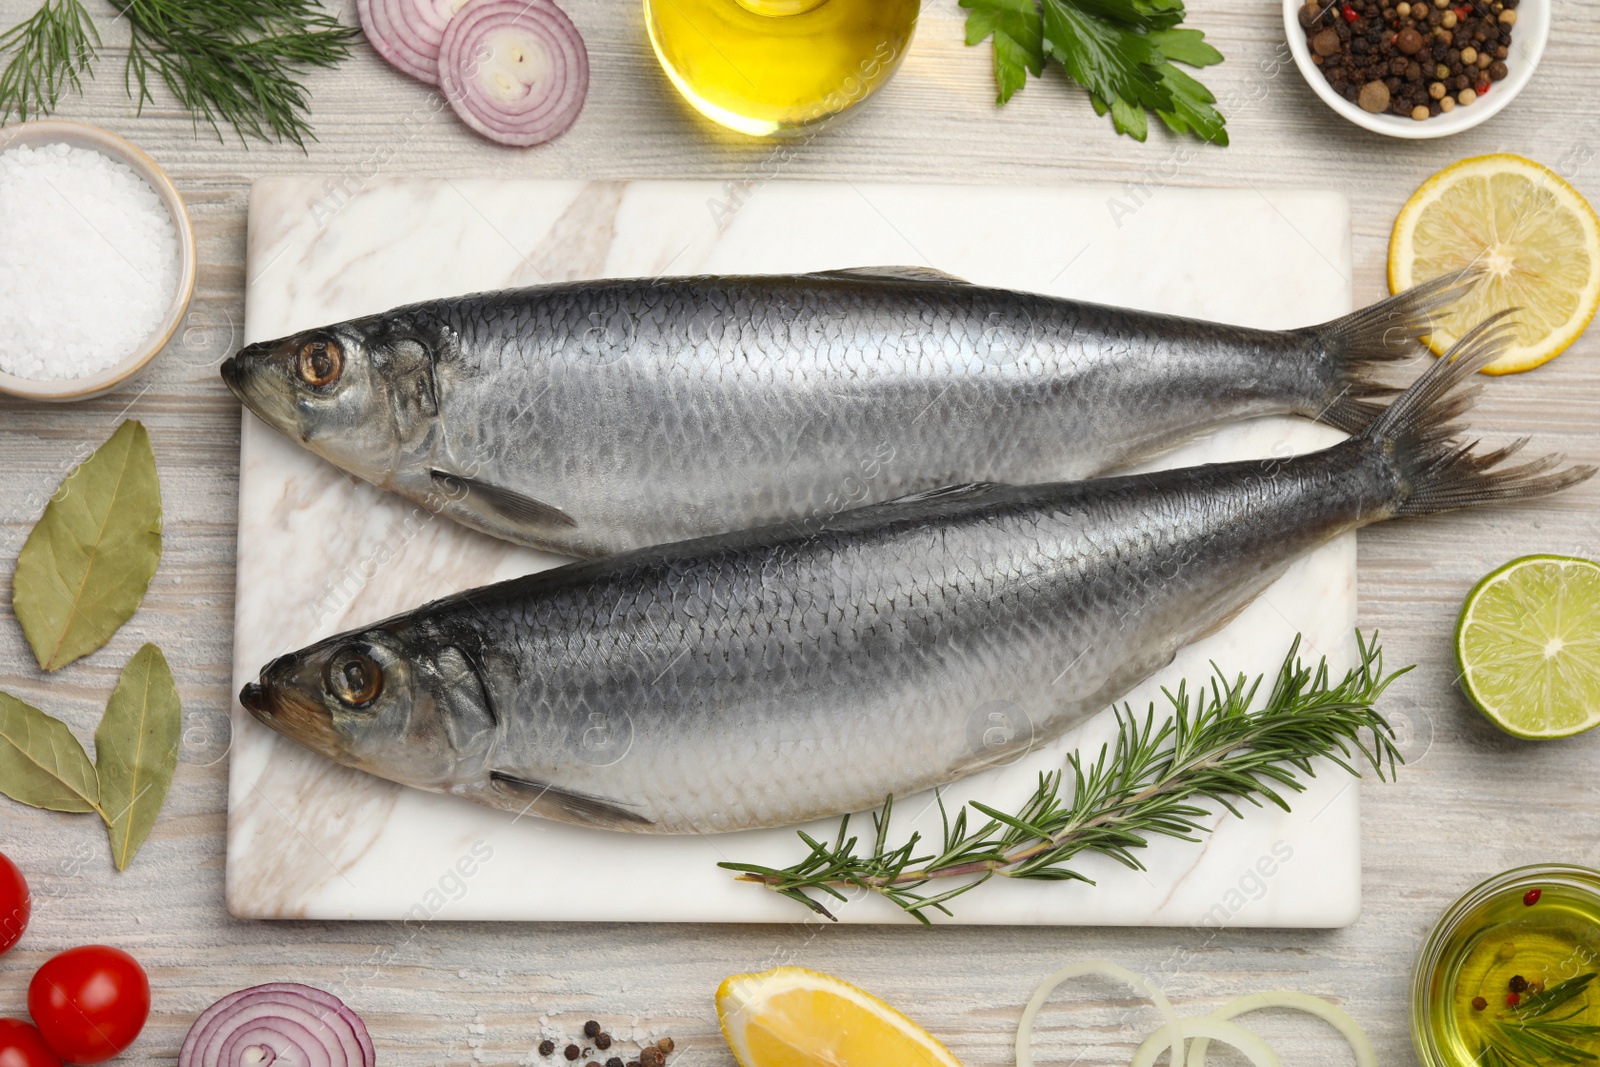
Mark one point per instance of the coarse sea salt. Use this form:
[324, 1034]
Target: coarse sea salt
[88, 261]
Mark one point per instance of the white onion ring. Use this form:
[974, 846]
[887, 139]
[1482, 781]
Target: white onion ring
[408, 33]
[1329, 1013]
[1205, 1029]
[516, 71]
[298, 1024]
[1138, 982]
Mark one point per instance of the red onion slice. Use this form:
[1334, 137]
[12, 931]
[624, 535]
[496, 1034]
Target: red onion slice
[514, 70]
[408, 33]
[283, 1024]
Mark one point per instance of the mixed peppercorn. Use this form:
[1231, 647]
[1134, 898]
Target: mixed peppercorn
[1517, 986]
[649, 1056]
[1411, 59]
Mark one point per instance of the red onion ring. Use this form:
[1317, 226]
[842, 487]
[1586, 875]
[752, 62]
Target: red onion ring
[514, 70]
[408, 33]
[259, 1026]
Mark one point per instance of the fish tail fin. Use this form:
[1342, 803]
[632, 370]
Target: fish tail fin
[1438, 470]
[1388, 331]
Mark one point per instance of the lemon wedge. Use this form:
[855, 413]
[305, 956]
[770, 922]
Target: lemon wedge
[1535, 237]
[794, 1017]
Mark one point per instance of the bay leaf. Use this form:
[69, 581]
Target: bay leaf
[85, 567]
[136, 751]
[41, 763]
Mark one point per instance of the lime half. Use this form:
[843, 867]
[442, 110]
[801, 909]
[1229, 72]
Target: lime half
[1528, 645]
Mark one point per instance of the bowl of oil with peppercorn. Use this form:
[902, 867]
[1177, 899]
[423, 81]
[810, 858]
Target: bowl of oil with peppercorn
[1510, 975]
[1428, 68]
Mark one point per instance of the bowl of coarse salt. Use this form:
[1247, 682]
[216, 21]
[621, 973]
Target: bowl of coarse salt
[97, 260]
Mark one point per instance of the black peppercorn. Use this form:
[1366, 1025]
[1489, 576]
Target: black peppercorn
[546, 1047]
[652, 1057]
[602, 1041]
[615, 1061]
[571, 1052]
[591, 1028]
[1518, 984]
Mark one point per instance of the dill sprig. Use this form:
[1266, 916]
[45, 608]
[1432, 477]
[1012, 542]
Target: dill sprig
[234, 60]
[1529, 1035]
[49, 51]
[1148, 783]
[225, 61]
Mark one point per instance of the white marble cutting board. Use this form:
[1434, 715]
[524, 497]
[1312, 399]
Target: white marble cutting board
[320, 553]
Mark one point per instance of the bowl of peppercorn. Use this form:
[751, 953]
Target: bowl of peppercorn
[1427, 68]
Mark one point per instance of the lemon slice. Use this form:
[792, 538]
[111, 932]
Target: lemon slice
[794, 1017]
[1534, 235]
[1528, 645]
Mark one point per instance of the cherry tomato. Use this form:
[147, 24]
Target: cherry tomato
[15, 904]
[21, 1046]
[89, 1002]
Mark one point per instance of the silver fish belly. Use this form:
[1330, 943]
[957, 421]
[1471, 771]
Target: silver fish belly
[773, 676]
[599, 417]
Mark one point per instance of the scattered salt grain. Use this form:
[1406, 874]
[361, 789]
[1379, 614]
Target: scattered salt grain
[88, 261]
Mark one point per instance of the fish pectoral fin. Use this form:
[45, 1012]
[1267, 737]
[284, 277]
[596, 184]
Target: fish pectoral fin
[892, 274]
[566, 806]
[510, 507]
[946, 492]
[1232, 613]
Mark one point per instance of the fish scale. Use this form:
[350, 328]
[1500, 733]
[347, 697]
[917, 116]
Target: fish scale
[598, 417]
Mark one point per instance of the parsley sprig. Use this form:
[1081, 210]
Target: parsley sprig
[1122, 51]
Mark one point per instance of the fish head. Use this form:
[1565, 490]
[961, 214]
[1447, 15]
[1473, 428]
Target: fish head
[361, 394]
[384, 701]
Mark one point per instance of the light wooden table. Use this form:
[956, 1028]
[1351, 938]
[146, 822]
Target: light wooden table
[1472, 803]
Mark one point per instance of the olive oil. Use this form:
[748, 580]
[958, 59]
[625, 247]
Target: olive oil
[1513, 978]
[775, 67]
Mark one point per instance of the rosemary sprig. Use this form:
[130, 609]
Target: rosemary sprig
[1146, 784]
[226, 61]
[49, 51]
[1528, 1036]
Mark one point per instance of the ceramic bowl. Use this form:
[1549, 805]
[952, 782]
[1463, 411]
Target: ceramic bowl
[109, 144]
[1527, 48]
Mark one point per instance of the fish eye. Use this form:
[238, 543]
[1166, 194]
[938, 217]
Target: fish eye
[354, 677]
[320, 363]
